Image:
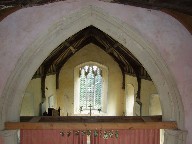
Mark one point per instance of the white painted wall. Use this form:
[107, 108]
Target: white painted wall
[27, 107]
[50, 90]
[147, 89]
[155, 105]
[129, 100]
[32, 99]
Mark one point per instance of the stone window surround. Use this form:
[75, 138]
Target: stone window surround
[76, 87]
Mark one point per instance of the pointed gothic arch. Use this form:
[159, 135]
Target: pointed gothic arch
[62, 29]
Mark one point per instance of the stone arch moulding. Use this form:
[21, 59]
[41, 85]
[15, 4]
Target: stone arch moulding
[62, 29]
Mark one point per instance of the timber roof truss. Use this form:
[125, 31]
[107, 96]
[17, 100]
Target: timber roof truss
[127, 62]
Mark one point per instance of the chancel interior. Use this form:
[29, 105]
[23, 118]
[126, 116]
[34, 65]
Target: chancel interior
[91, 74]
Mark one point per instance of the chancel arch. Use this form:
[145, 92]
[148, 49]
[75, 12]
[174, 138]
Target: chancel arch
[63, 28]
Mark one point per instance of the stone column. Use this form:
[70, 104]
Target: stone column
[9, 136]
[175, 137]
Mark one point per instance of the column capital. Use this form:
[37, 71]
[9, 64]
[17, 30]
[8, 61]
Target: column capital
[9, 136]
[175, 136]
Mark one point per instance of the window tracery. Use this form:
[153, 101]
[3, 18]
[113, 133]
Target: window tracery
[90, 87]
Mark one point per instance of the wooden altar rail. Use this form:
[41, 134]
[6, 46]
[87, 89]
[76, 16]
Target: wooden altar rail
[87, 126]
[84, 123]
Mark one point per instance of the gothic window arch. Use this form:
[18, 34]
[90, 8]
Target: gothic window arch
[90, 89]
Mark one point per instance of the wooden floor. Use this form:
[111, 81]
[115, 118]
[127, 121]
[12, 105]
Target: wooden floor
[91, 122]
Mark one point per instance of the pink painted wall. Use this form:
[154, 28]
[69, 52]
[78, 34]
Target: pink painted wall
[171, 39]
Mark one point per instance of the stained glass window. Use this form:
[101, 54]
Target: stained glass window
[90, 87]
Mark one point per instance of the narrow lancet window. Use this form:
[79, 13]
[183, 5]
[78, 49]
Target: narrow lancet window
[90, 87]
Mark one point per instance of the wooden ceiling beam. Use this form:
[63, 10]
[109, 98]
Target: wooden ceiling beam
[73, 50]
[82, 44]
[55, 54]
[92, 35]
[114, 47]
[117, 47]
[177, 5]
[99, 44]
